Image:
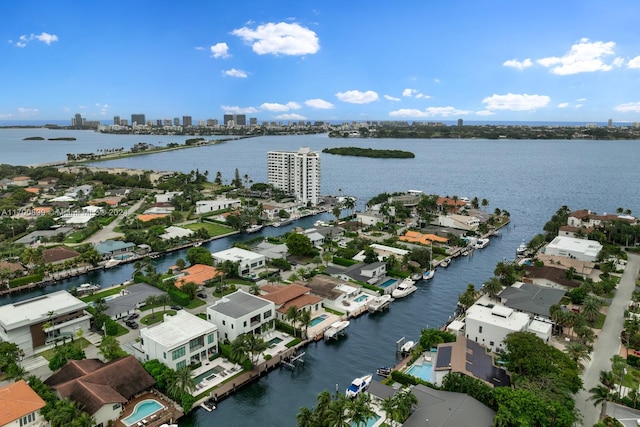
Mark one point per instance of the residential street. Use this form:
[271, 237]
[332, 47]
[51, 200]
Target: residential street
[608, 342]
[107, 231]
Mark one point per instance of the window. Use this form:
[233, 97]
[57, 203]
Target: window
[27, 419]
[210, 339]
[181, 364]
[479, 329]
[491, 343]
[267, 314]
[244, 324]
[164, 355]
[116, 406]
[224, 323]
[177, 353]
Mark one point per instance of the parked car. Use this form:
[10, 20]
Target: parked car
[202, 295]
[132, 325]
[133, 316]
[176, 307]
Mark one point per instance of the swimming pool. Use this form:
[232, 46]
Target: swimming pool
[208, 375]
[370, 422]
[142, 410]
[421, 371]
[272, 342]
[361, 298]
[387, 283]
[318, 319]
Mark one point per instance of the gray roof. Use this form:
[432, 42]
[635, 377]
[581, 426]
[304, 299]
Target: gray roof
[381, 391]
[448, 409]
[334, 231]
[109, 246]
[355, 271]
[36, 235]
[127, 302]
[271, 251]
[531, 298]
[239, 304]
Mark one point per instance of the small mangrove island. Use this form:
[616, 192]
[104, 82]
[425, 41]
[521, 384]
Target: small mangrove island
[33, 138]
[370, 152]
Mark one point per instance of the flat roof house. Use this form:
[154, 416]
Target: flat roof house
[179, 340]
[582, 249]
[23, 322]
[241, 313]
[250, 262]
[20, 406]
[489, 326]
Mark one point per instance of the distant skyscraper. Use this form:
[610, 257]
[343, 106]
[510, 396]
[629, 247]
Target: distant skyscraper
[241, 120]
[138, 119]
[227, 118]
[159, 122]
[296, 173]
[212, 122]
[176, 121]
[253, 121]
[116, 120]
[610, 123]
[187, 121]
[460, 123]
[76, 121]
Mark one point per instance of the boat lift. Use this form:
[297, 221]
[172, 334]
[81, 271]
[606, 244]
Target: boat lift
[291, 361]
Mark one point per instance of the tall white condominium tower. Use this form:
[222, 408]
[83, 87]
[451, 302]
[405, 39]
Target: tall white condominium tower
[296, 173]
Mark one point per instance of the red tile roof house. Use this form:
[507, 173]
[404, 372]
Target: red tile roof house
[199, 274]
[20, 405]
[58, 255]
[285, 296]
[102, 388]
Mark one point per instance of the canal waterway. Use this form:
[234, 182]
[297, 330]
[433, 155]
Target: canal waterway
[530, 179]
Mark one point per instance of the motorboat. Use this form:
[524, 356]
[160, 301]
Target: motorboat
[254, 228]
[112, 263]
[208, 405]
[282, 221]
[522, 249]
[428, 274]
[445, 263]
[379, 303]
[482, 243]
[358, 385]
[87, 288]
[336, 329]
[407, 347]
[416, 276]
[405, 288]
[383, 371]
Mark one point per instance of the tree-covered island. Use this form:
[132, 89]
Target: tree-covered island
[370, 152]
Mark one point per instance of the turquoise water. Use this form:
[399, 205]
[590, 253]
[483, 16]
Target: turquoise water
[142, 410]
[370, 422]
[317, 320]
[361, 298]
[206, 374]
[274, 341]
[422, 372]
[387, 283]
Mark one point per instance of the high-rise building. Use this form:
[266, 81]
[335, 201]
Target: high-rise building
[116, 120]
[138, 119]
[77, 121]
[241, 119]
[253, 121]
[610, 123]
[227, 118]
[212, 122]
[176, 121]
[187, 121]
[460, 123]
[296, 173]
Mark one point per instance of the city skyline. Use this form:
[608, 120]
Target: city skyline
[484, 61]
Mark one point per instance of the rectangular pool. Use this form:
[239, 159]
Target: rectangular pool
[387, 283]
[361, 298]
[318, 319]
[421, 371]
[370, 422]
[272, 342]
[208, 375]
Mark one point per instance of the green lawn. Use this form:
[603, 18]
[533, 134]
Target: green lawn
[102, 294]
[156, 317]
[213, 229]
[48, 354]
[196, 302]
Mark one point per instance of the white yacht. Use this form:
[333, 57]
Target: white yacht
[522, 249]
[380, 303]
[405, 288]
[482, 243]
[358, 385]
[336, 329]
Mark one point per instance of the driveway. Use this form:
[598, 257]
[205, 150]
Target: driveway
[608, 342]
[107, 233]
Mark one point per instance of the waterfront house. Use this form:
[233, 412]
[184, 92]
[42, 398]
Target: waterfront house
[200, 274]
[317, 239]
[101, 389]
[335, 292]
[20, 406]
[174, 232]
[489, 324]
[360, 272]
[424, 239]
[535, 300]
[12, 269]
[447, 409]
[249, 262]
[272, 251]
[241, 313]
[590, 219]
[58, 255]
[469, 358]
[180, 340]
[554, 277]
[206, 206]
[450, 205]
[581, 249]
[130, 299]
[114, 249]
[32, 323]
[271, 211]
[371, 217]
[575, 232]
[383, 252]
[460, 222]
[293, 295]
[40, 235]
[584, 268]
[20, 181]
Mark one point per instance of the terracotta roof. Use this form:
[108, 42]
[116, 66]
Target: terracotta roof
[11, 266]
[150, 217]
[21, 178]
[115, 382]
[59, 253]
[286, 293]
[34, 190]
[553, 274]
[198, 274]
[450, 202]
[18, 400]
[300, 302]
[41, 210]
[572, 229]
[424, 239]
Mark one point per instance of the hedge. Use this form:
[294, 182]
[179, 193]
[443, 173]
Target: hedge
[179, 297]
[111, 327]
[25, 280]
[343, 262]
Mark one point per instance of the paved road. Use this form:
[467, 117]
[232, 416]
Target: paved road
[107, 232]
[608, 342]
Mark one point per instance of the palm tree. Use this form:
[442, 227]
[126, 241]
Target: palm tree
[151, 300]
[110, 348]
[255, 345]
[306, 418]
[492, 287]
[64, 412]
[578, 352]
[337, 413]
[239, 349]
[600, 395]
[359, 409]
[164, 300]
[591, 307]
[468, 297]
[305, 320]
[182, 383]
[292, 315]
[323, 405]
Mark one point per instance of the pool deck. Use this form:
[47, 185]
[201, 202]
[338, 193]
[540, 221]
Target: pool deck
[169, 414]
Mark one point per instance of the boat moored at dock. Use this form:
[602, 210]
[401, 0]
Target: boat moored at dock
[358, 385]
[380, 303]
[336, 329]
[405, 288]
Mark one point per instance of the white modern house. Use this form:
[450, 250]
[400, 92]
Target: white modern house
[490, 324]
[250, 262]
[206, 206]
[42, 320]
[179, 340]
[241, 313]
[460, 222]
[371, 217]
[167, 197]
[570, 247]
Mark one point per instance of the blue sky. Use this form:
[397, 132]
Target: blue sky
[321, 60]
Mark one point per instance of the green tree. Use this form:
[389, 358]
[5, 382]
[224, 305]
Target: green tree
[255, 346]
[602, 393]
[492, 287]
[110, 348]
[199, 255]
[306, 418]
[239, 351]
[190, 289]
[182, 383]
[591, 307]
[292, 315]
[305, 320]
[299, 244]
[359, 409]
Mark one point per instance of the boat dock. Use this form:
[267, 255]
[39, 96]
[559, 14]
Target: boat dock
[336, 330]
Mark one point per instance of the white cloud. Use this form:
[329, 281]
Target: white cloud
[199, 48]
[408, 92]
[273, 106]
[414, 93]
[514, 63]
[634, 63]
[516, 102]
[391, 98]
[422, 96]
[280, 39]
[485, 113]
[629, 107]
[234, 109]
[563, 105]
[436, 80]
[24, 110]
[581, 99]
[318, 103]
[220, 50]
[618, 62]
[291, 117]
[357, 97]
[42, 37]
[583, 57]
[235, 73]
[428, 112]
